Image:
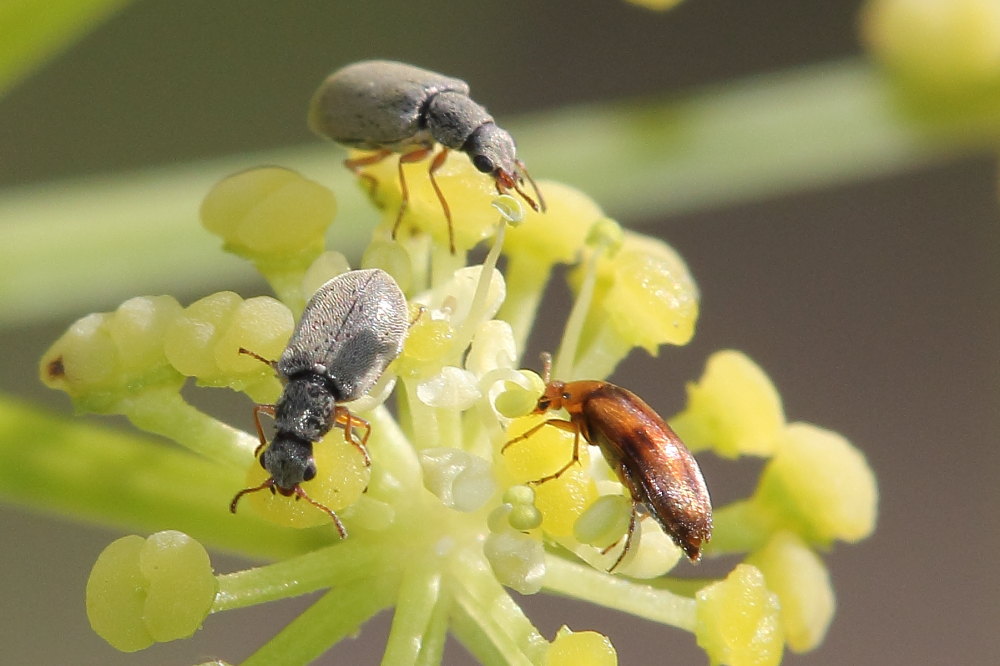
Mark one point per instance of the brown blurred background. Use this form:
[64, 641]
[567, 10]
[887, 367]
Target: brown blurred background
[872, 305]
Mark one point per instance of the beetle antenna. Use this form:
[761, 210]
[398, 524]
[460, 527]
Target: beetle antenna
[538, 193]
[336, 521]
[260, 358]
[546, 367]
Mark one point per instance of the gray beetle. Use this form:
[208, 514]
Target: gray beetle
[391, 107]
[350, 330]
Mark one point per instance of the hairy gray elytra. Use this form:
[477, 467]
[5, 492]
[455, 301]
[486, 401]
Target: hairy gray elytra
[350, 330]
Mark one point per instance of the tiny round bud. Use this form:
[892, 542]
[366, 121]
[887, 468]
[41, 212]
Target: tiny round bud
[519, 494]
[524, 517]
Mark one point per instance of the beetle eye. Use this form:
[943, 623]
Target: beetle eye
[483, 163]
[566, 396]
[309, 473]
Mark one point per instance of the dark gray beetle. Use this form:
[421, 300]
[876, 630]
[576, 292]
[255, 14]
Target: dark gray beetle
[350, 330]
[391, 107]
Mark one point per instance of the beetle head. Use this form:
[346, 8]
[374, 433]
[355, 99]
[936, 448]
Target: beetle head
[492, 151]
[289, 461]
[552, 397]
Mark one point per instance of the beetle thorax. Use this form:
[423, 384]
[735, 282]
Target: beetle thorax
[306, 407]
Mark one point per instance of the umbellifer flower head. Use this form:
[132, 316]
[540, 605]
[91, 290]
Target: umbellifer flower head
[446, 518]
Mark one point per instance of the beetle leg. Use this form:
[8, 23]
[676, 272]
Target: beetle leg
[406, 158]
[629, 533]
[436, 164]
[257, 409]
[356, 163]
[568, 426]
[342, 417]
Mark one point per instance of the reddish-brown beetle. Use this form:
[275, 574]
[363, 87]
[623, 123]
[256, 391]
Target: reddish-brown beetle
[649, 458]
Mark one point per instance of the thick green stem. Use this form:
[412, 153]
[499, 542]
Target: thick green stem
[583, 582]
[338, 564]
[337, 615]
[71, 467]
[488, 622]
[167, 413]
[415, 608]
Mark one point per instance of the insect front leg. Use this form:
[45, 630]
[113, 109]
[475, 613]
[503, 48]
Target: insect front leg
[257, 409]
[568, 426]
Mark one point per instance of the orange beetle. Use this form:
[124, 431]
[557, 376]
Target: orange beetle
[650, 460]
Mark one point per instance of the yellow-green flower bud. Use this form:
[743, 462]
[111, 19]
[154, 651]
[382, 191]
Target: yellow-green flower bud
[945, 47]
[644, 297]
[142, 591]
[269, 215]
[604, 522]
[105, 357]
[325, 267]
[798, 576]
[580, 648]
[733, 409]
[469, 194]
[556, 236]
[205, 340]
[819, 486]
[738, 620]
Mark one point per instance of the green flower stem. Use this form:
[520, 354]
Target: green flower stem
[583, 582]
[810, 127]
[422, 425]
[286, 283]
[480, 299]
[73, 468]
[167, 413]
[394, 453]
[564, 366]
[433, 640]
[488, 622]
[337, 615]
[338, 564]
[526, 279]
[740, 527]
[415, 609]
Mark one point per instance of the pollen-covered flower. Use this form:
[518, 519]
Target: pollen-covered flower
[451, 476]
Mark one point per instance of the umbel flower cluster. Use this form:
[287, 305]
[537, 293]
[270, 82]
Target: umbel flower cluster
[443, 523]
